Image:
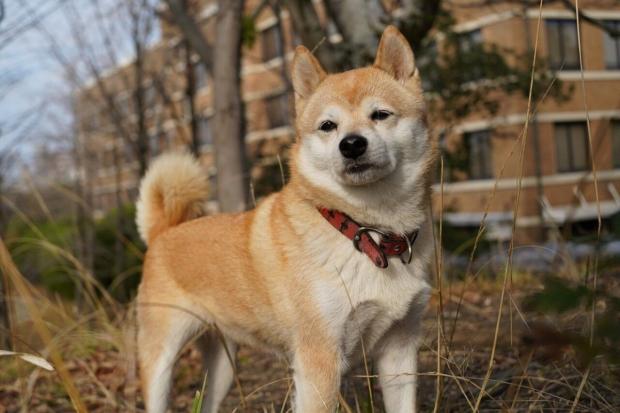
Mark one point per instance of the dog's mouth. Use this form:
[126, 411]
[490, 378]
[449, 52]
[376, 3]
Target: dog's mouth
[362, 172]
[358, 168]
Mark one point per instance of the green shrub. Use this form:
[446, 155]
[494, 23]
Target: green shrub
[32, 246]
[41, 250]
[120, 274]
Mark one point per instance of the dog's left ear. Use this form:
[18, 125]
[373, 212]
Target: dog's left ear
[395, 56]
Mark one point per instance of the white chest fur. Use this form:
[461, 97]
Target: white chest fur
[359, 301]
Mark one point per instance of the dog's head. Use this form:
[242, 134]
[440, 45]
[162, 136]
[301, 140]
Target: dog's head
[361, 129]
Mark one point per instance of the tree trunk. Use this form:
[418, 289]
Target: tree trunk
[190, 95]
[418, 19]
[6, 332]
[224, 62]
[119, 253]
[307, 25]
[191, 31]
[360, 27]
[232, 187]
[142, 137]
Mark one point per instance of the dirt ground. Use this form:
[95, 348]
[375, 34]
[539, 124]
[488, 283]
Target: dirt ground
[523, 378]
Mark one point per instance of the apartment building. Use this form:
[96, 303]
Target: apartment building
[558, 187]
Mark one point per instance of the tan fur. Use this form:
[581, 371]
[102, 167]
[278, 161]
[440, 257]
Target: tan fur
[281, 276]
[173, 190]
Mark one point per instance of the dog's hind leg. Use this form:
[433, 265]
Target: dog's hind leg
[162, 332]
[219, 366]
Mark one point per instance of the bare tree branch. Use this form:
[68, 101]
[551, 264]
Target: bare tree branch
[417, 19]
[359, 24]
[596, 22]
[192, 32]
[306, 22]
[32, 19]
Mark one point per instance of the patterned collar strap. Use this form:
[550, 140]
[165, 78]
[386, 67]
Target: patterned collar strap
[390, 244]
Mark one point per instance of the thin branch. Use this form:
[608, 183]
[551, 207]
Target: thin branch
[613, 32]
[192, 32]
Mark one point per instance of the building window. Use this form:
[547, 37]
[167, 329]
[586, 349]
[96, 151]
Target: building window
[612, 46]
[480, 158]
[615, 142]
[470, 46]
[271, 40]
[469, 41]
[278, 110]
[571, 146]
[426, 62]
[200, 75]
[562, 44]
[204, 133]
[90, 116]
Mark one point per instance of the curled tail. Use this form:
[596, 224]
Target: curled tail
[173, 190]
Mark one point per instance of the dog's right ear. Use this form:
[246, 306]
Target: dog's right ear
[307, 73]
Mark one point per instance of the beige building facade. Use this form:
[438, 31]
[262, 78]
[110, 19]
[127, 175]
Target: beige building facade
[563, 141]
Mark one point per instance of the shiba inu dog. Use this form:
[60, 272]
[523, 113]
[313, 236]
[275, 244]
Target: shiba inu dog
[332, 268]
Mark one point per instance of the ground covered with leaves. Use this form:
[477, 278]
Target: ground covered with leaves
[537, 365]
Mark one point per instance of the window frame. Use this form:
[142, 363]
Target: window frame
[569, 142]
[468, 42]
[561, 64]
[615, 142]
[277, 50]
[608, 41]
[469, 39]
[486, 171]
[271, 124]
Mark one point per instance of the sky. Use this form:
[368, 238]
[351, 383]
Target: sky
[34, 90]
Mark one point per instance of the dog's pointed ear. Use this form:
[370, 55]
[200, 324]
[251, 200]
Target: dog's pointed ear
[306, 73]
[394, 55]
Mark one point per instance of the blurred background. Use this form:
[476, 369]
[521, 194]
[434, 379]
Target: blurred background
[524, 102]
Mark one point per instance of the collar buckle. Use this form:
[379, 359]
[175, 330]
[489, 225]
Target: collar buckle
[410, 240]
[365, 230]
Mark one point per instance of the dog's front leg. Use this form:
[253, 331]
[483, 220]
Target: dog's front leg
[397, 357]
[317, 371]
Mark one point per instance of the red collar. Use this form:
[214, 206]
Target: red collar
[390, 244]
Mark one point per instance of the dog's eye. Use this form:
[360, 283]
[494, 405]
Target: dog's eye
[327, 126]
[380, 115]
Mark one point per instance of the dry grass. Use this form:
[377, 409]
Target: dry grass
[98, 357]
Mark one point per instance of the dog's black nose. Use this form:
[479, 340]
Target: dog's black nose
[353, 146]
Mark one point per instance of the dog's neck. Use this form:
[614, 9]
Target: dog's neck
[401, 213]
